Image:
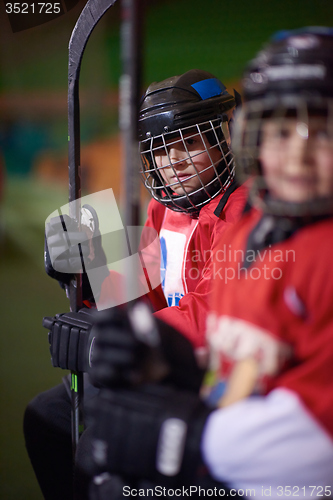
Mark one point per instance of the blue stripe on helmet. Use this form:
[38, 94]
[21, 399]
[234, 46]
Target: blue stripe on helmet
[309, 30]
[209, 88]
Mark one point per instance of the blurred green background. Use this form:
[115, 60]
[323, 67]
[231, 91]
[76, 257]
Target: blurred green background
[217, 35]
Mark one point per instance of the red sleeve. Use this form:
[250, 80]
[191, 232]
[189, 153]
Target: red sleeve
[155, 215]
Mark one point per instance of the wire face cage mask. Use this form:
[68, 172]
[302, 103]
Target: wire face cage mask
[186, 168]
[280, 143]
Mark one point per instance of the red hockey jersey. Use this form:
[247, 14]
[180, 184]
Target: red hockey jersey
[278, 311]
[187, 246]
[184, 260]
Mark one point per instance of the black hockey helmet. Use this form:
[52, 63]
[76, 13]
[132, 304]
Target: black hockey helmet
[291, 77]
[295, 61]
[194, 103]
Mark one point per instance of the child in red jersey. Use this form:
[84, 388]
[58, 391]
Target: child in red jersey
[188, 168]
[271, 328]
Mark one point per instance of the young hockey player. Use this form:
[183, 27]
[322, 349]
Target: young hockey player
[189, 169]
[271, 325]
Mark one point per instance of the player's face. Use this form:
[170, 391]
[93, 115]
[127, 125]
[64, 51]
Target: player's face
[297, 159]
[191, 162]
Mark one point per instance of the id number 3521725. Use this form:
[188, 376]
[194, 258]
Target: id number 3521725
[306, 491]
[33, 8]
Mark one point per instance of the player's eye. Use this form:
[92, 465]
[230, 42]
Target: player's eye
[191, 141]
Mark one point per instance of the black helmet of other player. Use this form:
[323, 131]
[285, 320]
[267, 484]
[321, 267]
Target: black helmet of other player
[194, 104]
[292, 77]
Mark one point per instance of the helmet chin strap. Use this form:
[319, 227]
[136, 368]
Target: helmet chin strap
[272, 229]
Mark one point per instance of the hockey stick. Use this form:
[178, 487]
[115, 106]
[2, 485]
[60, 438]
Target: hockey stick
[89, 17]
[130, 87]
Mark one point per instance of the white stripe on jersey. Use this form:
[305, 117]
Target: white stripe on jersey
[173, 255]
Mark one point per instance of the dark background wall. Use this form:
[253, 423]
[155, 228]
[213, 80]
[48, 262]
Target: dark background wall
[216, 35]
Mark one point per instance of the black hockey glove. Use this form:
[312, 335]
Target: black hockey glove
[132, 347]
[153, 434]
[63, 257]
[71, 339]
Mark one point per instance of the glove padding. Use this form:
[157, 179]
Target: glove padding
[132, 347]
[152, 434]
[63, 257]
[71, 339]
